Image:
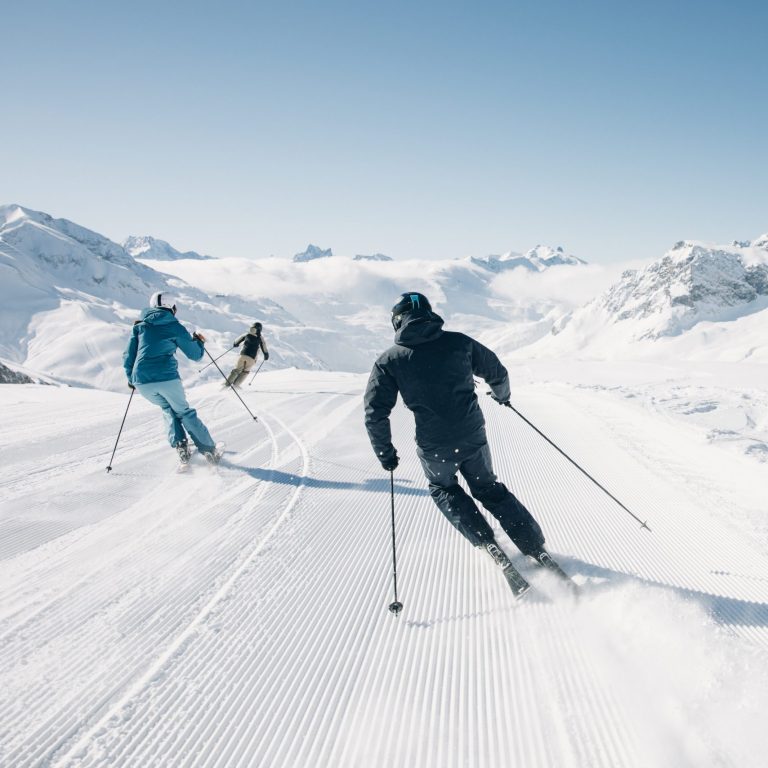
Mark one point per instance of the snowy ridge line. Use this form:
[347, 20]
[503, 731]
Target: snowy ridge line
[171, 650]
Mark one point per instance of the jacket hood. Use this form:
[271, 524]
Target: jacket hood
[157, 316]
[419, 329]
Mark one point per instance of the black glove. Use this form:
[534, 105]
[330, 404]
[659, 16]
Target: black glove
[266, 355]
[130, 386]
[199, 337]
[500, 402]
[235, 345]
[390, 463]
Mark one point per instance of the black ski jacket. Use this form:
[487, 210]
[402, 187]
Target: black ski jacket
[252, 342]
[432, 369]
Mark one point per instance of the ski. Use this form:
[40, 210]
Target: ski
[515, 580]
[545, 560]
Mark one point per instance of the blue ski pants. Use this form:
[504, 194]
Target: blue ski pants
[476, 467]
[177, 412]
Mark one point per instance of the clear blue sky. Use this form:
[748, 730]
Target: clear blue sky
[417, 129]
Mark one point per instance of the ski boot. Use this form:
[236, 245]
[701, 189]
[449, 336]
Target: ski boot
[182, 448]
[213, 455]
[517, 583]
[545, 560]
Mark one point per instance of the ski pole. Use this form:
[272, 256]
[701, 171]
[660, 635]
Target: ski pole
[200, 370]
[254, 375]
[229, 384]
[643, 523]
[396, 606]
[120, 432]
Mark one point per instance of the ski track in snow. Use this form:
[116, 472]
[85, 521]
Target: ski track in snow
[238, 617]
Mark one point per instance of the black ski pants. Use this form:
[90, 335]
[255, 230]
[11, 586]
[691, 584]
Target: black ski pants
[476, 467]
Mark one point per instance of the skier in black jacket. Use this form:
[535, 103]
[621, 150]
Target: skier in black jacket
[252, 342]
[433, 371]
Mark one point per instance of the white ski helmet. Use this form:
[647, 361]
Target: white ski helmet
[164, 300]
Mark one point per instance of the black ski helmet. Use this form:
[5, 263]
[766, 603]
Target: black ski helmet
[409, 302]
[257, 326]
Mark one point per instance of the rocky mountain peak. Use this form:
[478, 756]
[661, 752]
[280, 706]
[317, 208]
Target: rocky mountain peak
[313, 252]
[148, 247]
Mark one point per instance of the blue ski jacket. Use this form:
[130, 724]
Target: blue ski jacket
[150, 354]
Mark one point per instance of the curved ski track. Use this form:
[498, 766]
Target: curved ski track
[242, 619]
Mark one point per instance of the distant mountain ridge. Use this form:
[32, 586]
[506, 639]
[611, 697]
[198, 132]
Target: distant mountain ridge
[148, 247]
[536, 259]
[68, 297]
[68, 294]
[690, 283]
[372, 257]
[312, 253]
[692, 289]
[79, 257]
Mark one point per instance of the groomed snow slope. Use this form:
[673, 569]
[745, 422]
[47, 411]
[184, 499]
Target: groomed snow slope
[238, 617]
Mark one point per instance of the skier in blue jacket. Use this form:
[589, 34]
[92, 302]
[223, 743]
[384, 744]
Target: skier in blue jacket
[150, 365]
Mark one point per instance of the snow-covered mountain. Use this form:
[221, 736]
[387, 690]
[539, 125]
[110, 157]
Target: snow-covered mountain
[313, 252]
[65, 292]
[536, 259]
[69, 295]
[699, 300]
[353, 298]
[9, 376]
[148, 247]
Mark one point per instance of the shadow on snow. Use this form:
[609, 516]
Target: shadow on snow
[378, 485]
[727, 611]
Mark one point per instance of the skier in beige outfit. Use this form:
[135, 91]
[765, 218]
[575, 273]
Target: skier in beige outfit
[252, 342]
